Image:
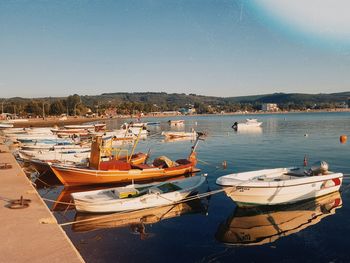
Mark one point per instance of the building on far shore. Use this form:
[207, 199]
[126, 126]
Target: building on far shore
[269, 107]
[342, 105]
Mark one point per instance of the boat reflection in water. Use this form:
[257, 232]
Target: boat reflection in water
[137, 220]
[261, 225]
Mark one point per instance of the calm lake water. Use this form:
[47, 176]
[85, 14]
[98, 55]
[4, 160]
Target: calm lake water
[214, 229]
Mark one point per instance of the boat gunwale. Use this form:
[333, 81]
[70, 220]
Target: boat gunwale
[280, 186]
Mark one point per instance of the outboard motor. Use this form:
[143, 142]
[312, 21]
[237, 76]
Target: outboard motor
[235, 126]
[319, 168]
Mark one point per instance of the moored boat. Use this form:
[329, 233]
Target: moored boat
[80, 126]
[250, 123]
[135, 197]
[71, 155]
[136, 130]
[5, 125]
[116, 171]
[50, 147]
[280, 185]
[69, 132]
[175, 135]
[138, 124]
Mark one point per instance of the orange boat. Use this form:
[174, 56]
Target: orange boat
[116, 171]
[44, 166]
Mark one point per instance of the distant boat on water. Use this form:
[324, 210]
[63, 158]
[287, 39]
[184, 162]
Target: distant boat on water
[5, 125]
[250, 123]
[176, 122]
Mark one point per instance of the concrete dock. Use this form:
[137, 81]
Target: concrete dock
[29, 234]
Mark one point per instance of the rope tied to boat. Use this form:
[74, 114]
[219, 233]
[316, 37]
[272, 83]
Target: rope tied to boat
[187, 199]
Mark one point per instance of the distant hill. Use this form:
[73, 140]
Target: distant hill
[181, 98]
[126, 103]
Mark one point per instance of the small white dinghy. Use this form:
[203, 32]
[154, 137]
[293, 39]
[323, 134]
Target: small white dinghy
[249, 124]
[5, 125]
[175, 135]
[280, 185]
[136, 196]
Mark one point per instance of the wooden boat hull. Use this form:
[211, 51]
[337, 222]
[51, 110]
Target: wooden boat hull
[70, 176]
[6, 125]
[43, 166]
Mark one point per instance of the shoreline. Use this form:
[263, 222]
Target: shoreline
[52, 121]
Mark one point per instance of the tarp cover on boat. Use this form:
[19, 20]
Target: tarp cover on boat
[164, 162]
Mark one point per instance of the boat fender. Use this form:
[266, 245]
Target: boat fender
[343, 139]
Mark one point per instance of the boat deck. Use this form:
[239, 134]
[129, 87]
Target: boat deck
[24, 236]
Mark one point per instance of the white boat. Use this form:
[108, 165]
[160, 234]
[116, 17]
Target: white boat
[120, 134]
[13, 132]
[138, 124]
[136, 196]
[28, 139]
[176, 122]
[49, 147]
[142, 131]
[174, 134]
[82, 126]
[75, 156]
[18, 120]
[250, 123]
[91, 127]
[263, 225]
[280, 185]
[69, 131]
[5, 125]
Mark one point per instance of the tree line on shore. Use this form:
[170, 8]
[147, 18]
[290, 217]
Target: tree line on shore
[147, 102]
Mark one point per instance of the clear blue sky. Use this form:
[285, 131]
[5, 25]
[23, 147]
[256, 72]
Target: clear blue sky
[220, 48]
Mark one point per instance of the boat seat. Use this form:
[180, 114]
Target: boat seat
[298, 174]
